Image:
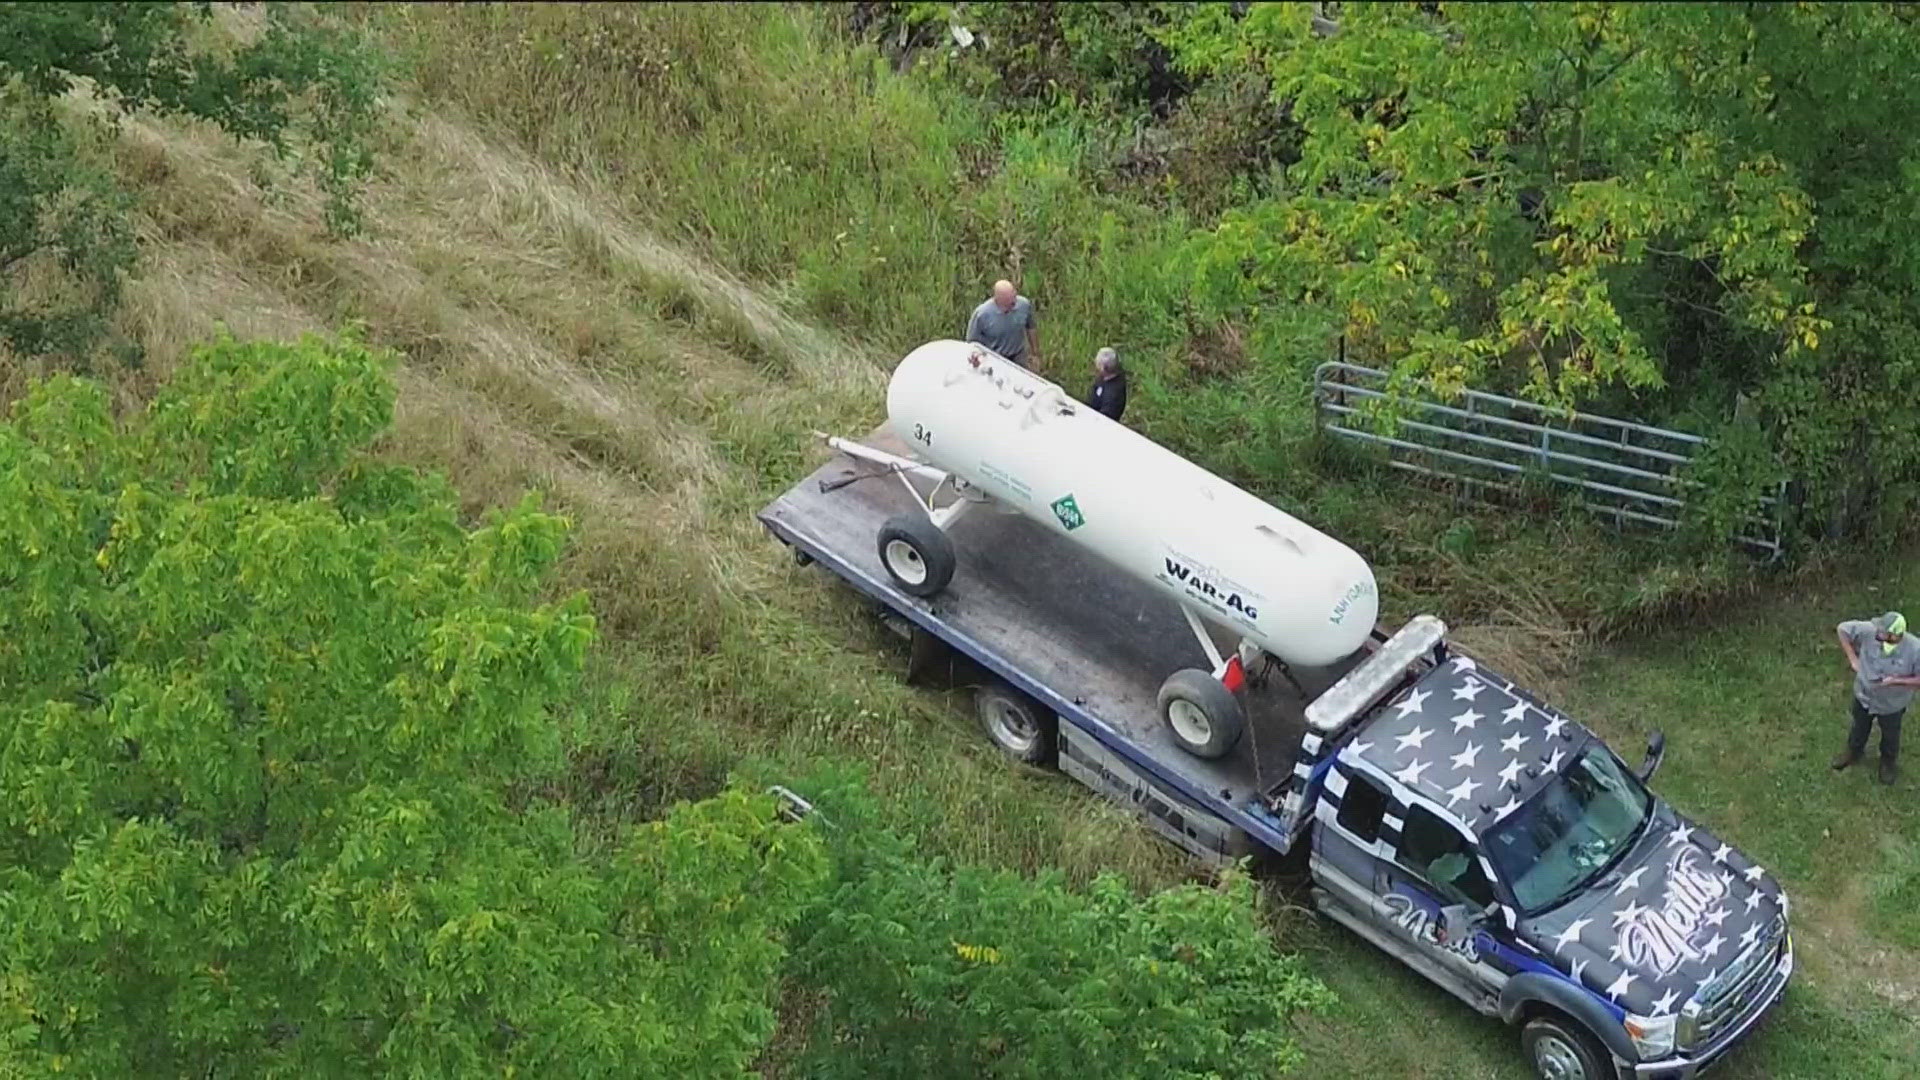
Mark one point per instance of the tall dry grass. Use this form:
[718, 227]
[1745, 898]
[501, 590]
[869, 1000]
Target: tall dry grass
[556, 343]
[873, 203]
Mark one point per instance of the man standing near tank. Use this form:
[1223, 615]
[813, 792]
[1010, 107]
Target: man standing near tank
[1886, 672]
[1004, 323]
[1109, 394]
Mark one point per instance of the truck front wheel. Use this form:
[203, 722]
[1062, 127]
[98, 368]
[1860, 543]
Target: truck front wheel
[1204, 716]
[1560, 1050]
[916, 554]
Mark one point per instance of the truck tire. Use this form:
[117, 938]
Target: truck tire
[1016, 723]
[1203, 715]
[916, 554]
[1560, 1049]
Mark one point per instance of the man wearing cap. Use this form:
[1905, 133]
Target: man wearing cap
[1886, 666]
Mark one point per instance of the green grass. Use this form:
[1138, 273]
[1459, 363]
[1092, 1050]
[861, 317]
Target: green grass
[1754, 703]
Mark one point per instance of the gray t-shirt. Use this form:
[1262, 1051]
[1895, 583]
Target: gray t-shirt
[1005, 332]
[1877, 663]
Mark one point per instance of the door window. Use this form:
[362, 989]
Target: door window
[1437, 853]
[1362, 808]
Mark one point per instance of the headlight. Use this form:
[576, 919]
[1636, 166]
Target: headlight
[1652, 1037]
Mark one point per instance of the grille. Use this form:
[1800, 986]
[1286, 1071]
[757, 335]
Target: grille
[1730, 997]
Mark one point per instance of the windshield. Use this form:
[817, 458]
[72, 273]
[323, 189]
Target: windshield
[1569, 833]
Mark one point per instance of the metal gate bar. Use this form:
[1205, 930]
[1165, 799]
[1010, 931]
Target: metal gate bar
[1636, 481]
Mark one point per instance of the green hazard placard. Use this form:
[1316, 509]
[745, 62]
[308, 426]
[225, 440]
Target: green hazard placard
[1068, 512]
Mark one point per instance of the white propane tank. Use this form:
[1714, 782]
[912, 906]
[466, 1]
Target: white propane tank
[1299, 594]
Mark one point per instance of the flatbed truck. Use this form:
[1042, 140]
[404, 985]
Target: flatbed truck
[1444, 813]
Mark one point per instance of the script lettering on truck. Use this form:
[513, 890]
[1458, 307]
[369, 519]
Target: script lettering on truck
[1210, 588]
[1661, 937]
[1409, 914]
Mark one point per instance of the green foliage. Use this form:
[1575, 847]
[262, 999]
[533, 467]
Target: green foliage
[265, 755]
[933, 970]
[1593, 203]
[65, 240]
[65, 235]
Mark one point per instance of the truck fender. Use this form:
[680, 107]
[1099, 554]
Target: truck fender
[1556, 991]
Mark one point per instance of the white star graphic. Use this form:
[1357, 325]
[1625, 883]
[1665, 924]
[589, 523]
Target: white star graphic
[1715, 917]
[1720, 853]
[1515, 713]
[1631, 881]
[1411, 774]
[1579, 969]
[1462, 790]
[1754, 872]
[1468, 689]
[1753, 900]
[1511, 770]
[1464, 759]
[1615, 953]
[1618, 990]
[1626, 915]
[1465, 720]
[1680, 836]
[1553, 763]
[1571, 934]
[1712, 946]
[1512, 743]
[1554, 724]
[1752, 935]
[1361, 748]
[1462, 663]
[1413, 704]
[1506, 808]
[1413, 738]
[1665, 1005]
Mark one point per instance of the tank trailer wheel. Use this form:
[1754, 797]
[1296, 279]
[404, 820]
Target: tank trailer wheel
[1560, 1050]
[1015, 722]
[1205, 717]
[917, 555]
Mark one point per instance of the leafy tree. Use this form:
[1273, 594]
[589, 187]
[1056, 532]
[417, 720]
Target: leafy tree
[65, 238]
[270, 718]
[931, 970]
[1658, 206]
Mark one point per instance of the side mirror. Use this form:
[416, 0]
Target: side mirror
[1656, 750]
[1456, 922]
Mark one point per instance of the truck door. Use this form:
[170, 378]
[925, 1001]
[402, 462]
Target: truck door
[1434, 864]
[1348, 851]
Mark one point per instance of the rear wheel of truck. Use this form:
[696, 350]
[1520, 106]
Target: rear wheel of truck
[1561, 1050]
[1016, 723]
[1204, 716]
[917, 555]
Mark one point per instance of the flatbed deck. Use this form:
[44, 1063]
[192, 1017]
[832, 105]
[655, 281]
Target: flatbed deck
[1061, 625]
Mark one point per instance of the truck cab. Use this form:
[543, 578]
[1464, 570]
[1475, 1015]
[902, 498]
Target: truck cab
[1507, 853]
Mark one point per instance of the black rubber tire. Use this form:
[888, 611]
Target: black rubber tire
[916, 554]
[1557, 1030]
[1209, 705]
[1022, 729]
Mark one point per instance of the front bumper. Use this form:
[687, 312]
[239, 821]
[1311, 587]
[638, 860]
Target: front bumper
[1683, 1066]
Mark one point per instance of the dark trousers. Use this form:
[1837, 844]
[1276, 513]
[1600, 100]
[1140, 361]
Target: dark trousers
[1863, 723]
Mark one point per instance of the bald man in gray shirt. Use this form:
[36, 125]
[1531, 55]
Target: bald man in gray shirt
[1886, 672]
[1004, 323]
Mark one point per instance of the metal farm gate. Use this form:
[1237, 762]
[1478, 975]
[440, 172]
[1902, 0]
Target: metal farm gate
[1616, 468]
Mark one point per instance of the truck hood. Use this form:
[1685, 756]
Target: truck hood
[1674, 914]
